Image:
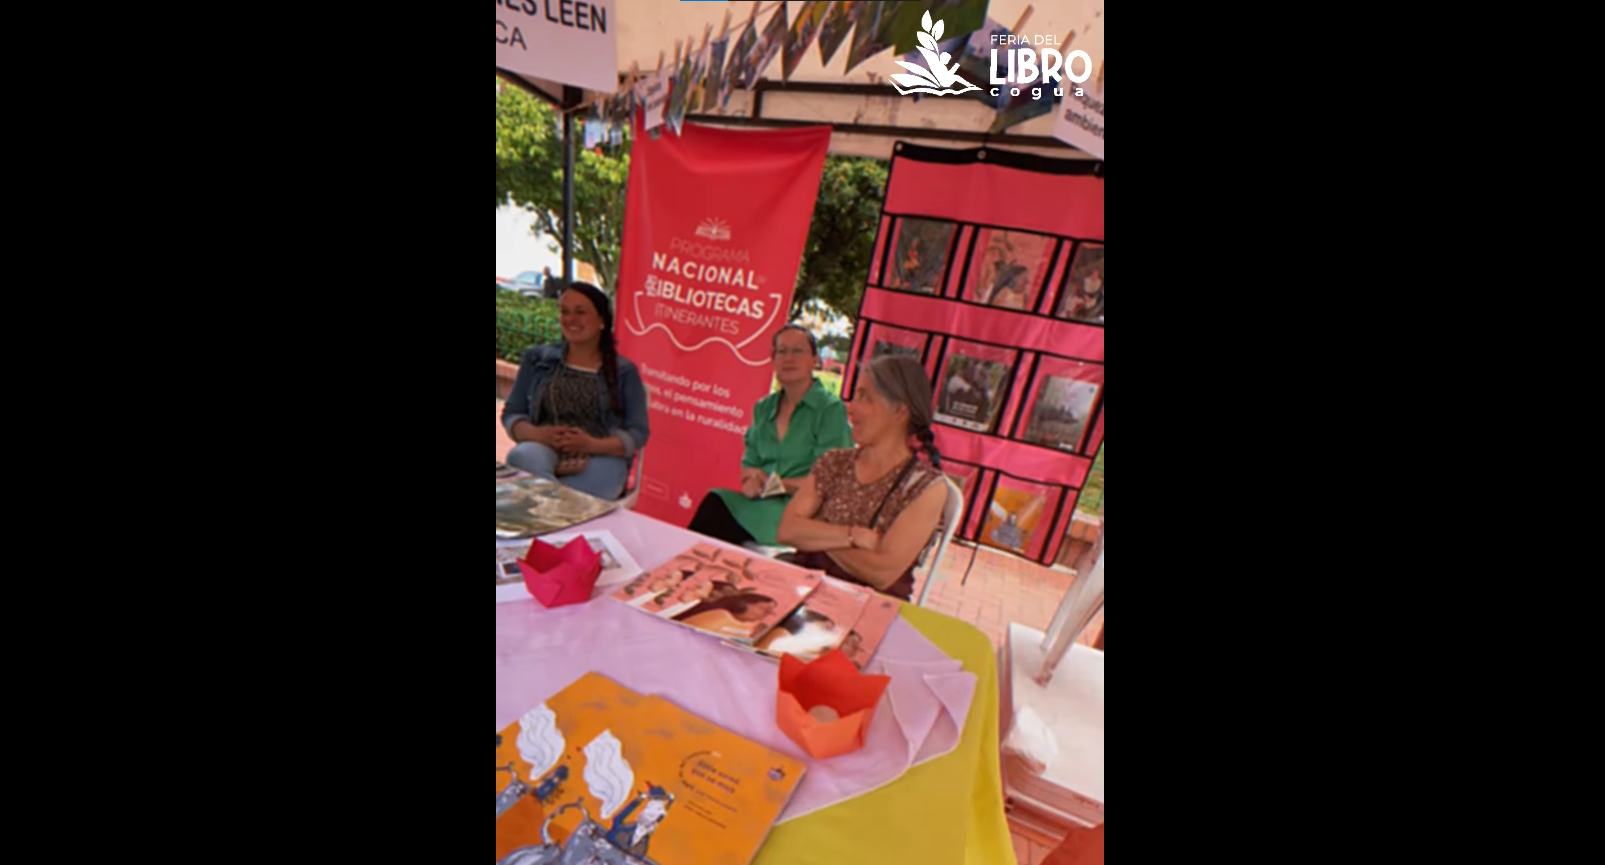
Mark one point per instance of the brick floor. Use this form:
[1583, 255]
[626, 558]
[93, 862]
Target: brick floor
[1022, 850]
[1001, 588]
[1030, 845]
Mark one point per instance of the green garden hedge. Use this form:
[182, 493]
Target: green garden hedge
[522, 322]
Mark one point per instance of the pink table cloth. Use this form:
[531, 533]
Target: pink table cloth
[539, 651]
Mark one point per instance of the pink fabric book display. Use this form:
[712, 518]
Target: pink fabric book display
[1003, 306]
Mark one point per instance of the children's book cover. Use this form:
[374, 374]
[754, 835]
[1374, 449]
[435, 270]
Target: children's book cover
[602, 774]
[870, 629]
[820, 624]
[721, 592]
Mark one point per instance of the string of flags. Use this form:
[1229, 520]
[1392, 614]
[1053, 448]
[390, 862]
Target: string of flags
[701, 75]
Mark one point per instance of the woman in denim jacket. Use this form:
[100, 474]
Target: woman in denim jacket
[578, 397]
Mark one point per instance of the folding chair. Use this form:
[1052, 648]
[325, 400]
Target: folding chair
[952, 518]
[632, 484]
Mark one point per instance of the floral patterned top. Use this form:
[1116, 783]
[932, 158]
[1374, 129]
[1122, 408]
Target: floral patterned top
[846, 502]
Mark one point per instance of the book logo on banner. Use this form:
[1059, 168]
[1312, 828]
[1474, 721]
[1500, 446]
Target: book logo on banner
[939, 79]
[714, 229]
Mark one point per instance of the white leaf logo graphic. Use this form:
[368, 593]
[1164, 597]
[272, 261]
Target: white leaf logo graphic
[939, 79]
[917, 69]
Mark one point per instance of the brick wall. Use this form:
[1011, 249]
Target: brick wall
[505, 373]
[1084, 530]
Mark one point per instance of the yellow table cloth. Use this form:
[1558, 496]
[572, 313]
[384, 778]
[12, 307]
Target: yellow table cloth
[948, 811]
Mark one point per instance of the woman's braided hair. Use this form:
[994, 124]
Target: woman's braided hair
[902, 381]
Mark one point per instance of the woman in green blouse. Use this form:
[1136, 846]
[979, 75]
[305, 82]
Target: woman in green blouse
[788, 430]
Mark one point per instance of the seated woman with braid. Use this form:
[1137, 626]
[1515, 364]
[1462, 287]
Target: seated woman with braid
[865, 514]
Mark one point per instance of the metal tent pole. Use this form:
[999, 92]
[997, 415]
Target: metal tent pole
[571, 101]
[1080, 604]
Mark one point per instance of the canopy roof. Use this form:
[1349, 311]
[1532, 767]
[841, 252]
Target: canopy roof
[868, 113]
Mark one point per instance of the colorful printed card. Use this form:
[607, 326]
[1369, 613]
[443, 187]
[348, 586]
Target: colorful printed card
[1061, 408]
[1009, 267]
[870, 630]
[920, 255]
[820, 624]
[885, 340]
[1082, 297]
[528, 506]
[973, 385]
[1016, 511]
[722, 592]
[804, 641]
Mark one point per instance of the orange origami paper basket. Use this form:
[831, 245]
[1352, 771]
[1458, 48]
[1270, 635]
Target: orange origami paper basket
[830, 680]
[560, 576]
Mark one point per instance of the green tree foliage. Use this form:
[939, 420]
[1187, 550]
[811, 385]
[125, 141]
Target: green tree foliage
[1091, 499]
[841, 238]
[529, 173]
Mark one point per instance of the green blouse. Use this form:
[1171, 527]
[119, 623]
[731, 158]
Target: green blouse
[818, 424]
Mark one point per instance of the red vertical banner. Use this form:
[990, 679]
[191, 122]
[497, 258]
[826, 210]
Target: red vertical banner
[714, 226]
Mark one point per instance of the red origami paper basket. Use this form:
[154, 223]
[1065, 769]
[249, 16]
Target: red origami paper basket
[829, 680]
[560, 576]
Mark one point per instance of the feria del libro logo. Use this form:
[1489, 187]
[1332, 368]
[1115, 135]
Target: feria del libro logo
[939, 79]
[943, 80]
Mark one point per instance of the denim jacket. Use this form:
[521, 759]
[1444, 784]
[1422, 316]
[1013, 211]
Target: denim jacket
[535, 371]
